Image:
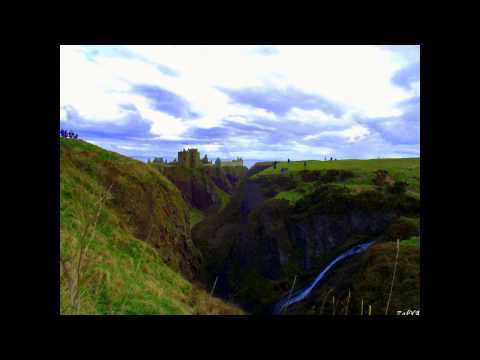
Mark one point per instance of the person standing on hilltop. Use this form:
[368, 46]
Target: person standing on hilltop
[289, 161]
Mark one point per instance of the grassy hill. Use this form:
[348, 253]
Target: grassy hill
[125, 245]
[364, 172]
[278, 226]
[206, 189]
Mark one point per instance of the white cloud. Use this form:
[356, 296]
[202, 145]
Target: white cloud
[415, 87]
[352, 134]
[358, 78]
[167, 127]
[318, 118]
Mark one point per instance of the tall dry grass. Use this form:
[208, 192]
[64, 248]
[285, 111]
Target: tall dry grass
[393, 277]
[73, 266]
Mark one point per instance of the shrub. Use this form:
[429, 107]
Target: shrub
[403, 228]
[400, 187]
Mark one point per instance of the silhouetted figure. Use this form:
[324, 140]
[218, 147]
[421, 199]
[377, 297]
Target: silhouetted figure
[274, 164]
[289, 161]
[331, 158]
[304, 164]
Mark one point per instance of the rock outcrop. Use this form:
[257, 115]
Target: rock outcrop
[258, 243]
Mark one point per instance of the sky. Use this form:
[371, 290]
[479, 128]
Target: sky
[257, 102]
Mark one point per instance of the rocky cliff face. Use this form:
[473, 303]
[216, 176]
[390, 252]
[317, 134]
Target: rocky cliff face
[322, 235]
[205, 188]
[258, 243]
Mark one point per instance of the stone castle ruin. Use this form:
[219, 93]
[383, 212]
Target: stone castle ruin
[190, 158]
[237, 162]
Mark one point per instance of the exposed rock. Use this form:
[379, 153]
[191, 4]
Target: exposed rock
[258, 243]
[382, 178]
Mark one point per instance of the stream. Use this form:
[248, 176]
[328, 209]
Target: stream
[303, 293]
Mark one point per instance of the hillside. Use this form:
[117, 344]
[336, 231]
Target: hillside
[206, 190]
[125, 244]
[278, 226]
[404, 169]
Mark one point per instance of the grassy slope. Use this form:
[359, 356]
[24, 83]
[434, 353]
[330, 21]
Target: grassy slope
[206, 178]
[362, 181]
[405, 169]
[373, 284]
[196, 216]
[186, 174]
[119, 273]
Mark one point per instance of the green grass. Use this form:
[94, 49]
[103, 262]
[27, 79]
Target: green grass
[124, 270]
[293, 196]
[224, 198]
[195, 216]
[412, 241]
[404, 169]
[373, 284]
[354, 165]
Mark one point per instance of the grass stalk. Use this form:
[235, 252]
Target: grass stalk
[324, 301]
[348, 302]
[290, 293]
[75, 279]
[393, 277]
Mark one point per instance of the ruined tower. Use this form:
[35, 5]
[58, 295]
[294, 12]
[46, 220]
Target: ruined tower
[189, 158]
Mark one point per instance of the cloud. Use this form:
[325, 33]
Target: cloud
[409, 78]
[281, 101]
[262, 102]
[352, 134]
[404, 129]
[165, 101]
[130, 125]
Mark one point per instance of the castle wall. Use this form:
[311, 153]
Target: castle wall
[189, 158]
[232, 163]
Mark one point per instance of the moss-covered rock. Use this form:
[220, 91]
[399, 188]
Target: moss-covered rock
[275, 239]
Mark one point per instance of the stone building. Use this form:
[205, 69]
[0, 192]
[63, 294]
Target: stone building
[189, 158]
[238, 162]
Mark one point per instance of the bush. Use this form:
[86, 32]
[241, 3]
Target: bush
[403, 228]
[326, 198]
[400, 187]
[309, 176]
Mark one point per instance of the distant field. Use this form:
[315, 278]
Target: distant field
[403, 169]
[408, 164]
